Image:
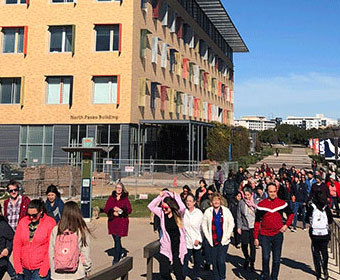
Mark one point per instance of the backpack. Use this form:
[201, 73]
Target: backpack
[66, 252]
[229, 188]
[319, 221]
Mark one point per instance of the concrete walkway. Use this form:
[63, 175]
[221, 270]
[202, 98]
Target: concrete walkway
[297, 158]
[296, 261]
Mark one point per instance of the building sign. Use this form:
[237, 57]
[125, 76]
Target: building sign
[88, 142]
[93, 117]
[129, 168]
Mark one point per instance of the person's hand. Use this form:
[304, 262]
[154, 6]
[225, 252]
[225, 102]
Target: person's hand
[4, 253]
[161, 194]
[256, 243]
[115, 214]
[117, 209]
[284, 228]
[196, 243]
[239, 231]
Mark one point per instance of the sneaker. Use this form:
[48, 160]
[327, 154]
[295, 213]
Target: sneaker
[305, 229]
[293, 230]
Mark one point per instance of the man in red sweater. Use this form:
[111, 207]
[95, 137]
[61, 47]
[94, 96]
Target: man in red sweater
[269, 217]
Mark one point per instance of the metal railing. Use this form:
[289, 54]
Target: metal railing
[150, 251]
[119, 270]
[335, 242]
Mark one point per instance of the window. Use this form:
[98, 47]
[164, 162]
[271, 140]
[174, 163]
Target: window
[108, 37]
[106, 90]
[59, 90]
[36, 144]
[15, 1]
[10, 90]
[13, 39]
[154, 50]
[61, 38]
[153, 95]
[64, 1]
[143, 42]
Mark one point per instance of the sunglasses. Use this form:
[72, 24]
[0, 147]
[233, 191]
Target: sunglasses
[12, 191]
[165, 208]
[33, 216]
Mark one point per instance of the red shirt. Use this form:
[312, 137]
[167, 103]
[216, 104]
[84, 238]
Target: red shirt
[269, 217]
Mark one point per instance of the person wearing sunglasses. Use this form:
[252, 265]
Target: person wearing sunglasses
[172, 243]
[31, 243]
[15, 207]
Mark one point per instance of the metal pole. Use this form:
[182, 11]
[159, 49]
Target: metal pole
[192, 147]
[189, 140]
[202, 142]
[198, 143]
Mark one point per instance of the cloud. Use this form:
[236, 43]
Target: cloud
[294, 94]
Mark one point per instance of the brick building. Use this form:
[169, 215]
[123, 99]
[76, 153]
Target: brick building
[140, 77]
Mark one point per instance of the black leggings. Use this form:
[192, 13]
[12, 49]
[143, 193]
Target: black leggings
[3, 270]
[164, 267]
[320, 255]
[247, 238]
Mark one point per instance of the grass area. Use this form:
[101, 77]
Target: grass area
[139, 207]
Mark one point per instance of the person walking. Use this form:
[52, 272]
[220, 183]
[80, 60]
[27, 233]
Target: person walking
[201, 193]
[218, 178]
[245, 222]
[173, 242]
[310, 181]
[319, 185]
[6, 244]
[320, 218]
[118, 209]
[31, 243]
[71, 233]
[217, 225]
[193, 225]
[15, 207]
[54, 204]
[300, 196]
[334, 190]
[269, 223]
[233, 206]
[230, 188]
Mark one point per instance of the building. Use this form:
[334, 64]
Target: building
[319, 121]
[143, 78]
[257, 123]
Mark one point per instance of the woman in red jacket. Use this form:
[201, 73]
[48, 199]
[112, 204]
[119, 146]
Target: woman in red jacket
[31, 243]
[118, 208]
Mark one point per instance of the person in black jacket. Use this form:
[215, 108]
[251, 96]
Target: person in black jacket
[6, 244]
[300, 196]
[233, 206]
[319, 232]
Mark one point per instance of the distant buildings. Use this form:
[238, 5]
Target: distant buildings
[319, 121]
[257, 123]
[260, 123]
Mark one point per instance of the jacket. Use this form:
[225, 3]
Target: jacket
[165, 248]
[269, 217]
[228, 225]
[319, 187]
[193, 228]
[245, 217]
[300, 192]
[84, 264]
[6, 240]
[23, 207]
[118, 225]
[56, 210]
[32, 255]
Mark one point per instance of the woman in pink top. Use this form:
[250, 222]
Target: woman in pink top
[173, 246]
[334, 190]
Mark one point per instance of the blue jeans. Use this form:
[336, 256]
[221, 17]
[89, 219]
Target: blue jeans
[218, 259]
[118, 250]
[197, 255]
[271, 244]
[32, 275]
[296, 207]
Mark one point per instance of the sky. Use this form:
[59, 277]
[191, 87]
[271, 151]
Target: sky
[293, 67]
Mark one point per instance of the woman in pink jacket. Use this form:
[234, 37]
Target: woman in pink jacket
[31, 243]
[173, 246]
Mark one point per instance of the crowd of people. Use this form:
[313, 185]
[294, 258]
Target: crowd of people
[248, 211]
[50, 240]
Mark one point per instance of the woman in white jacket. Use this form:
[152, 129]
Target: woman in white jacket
[193, 227]
[218, 224]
